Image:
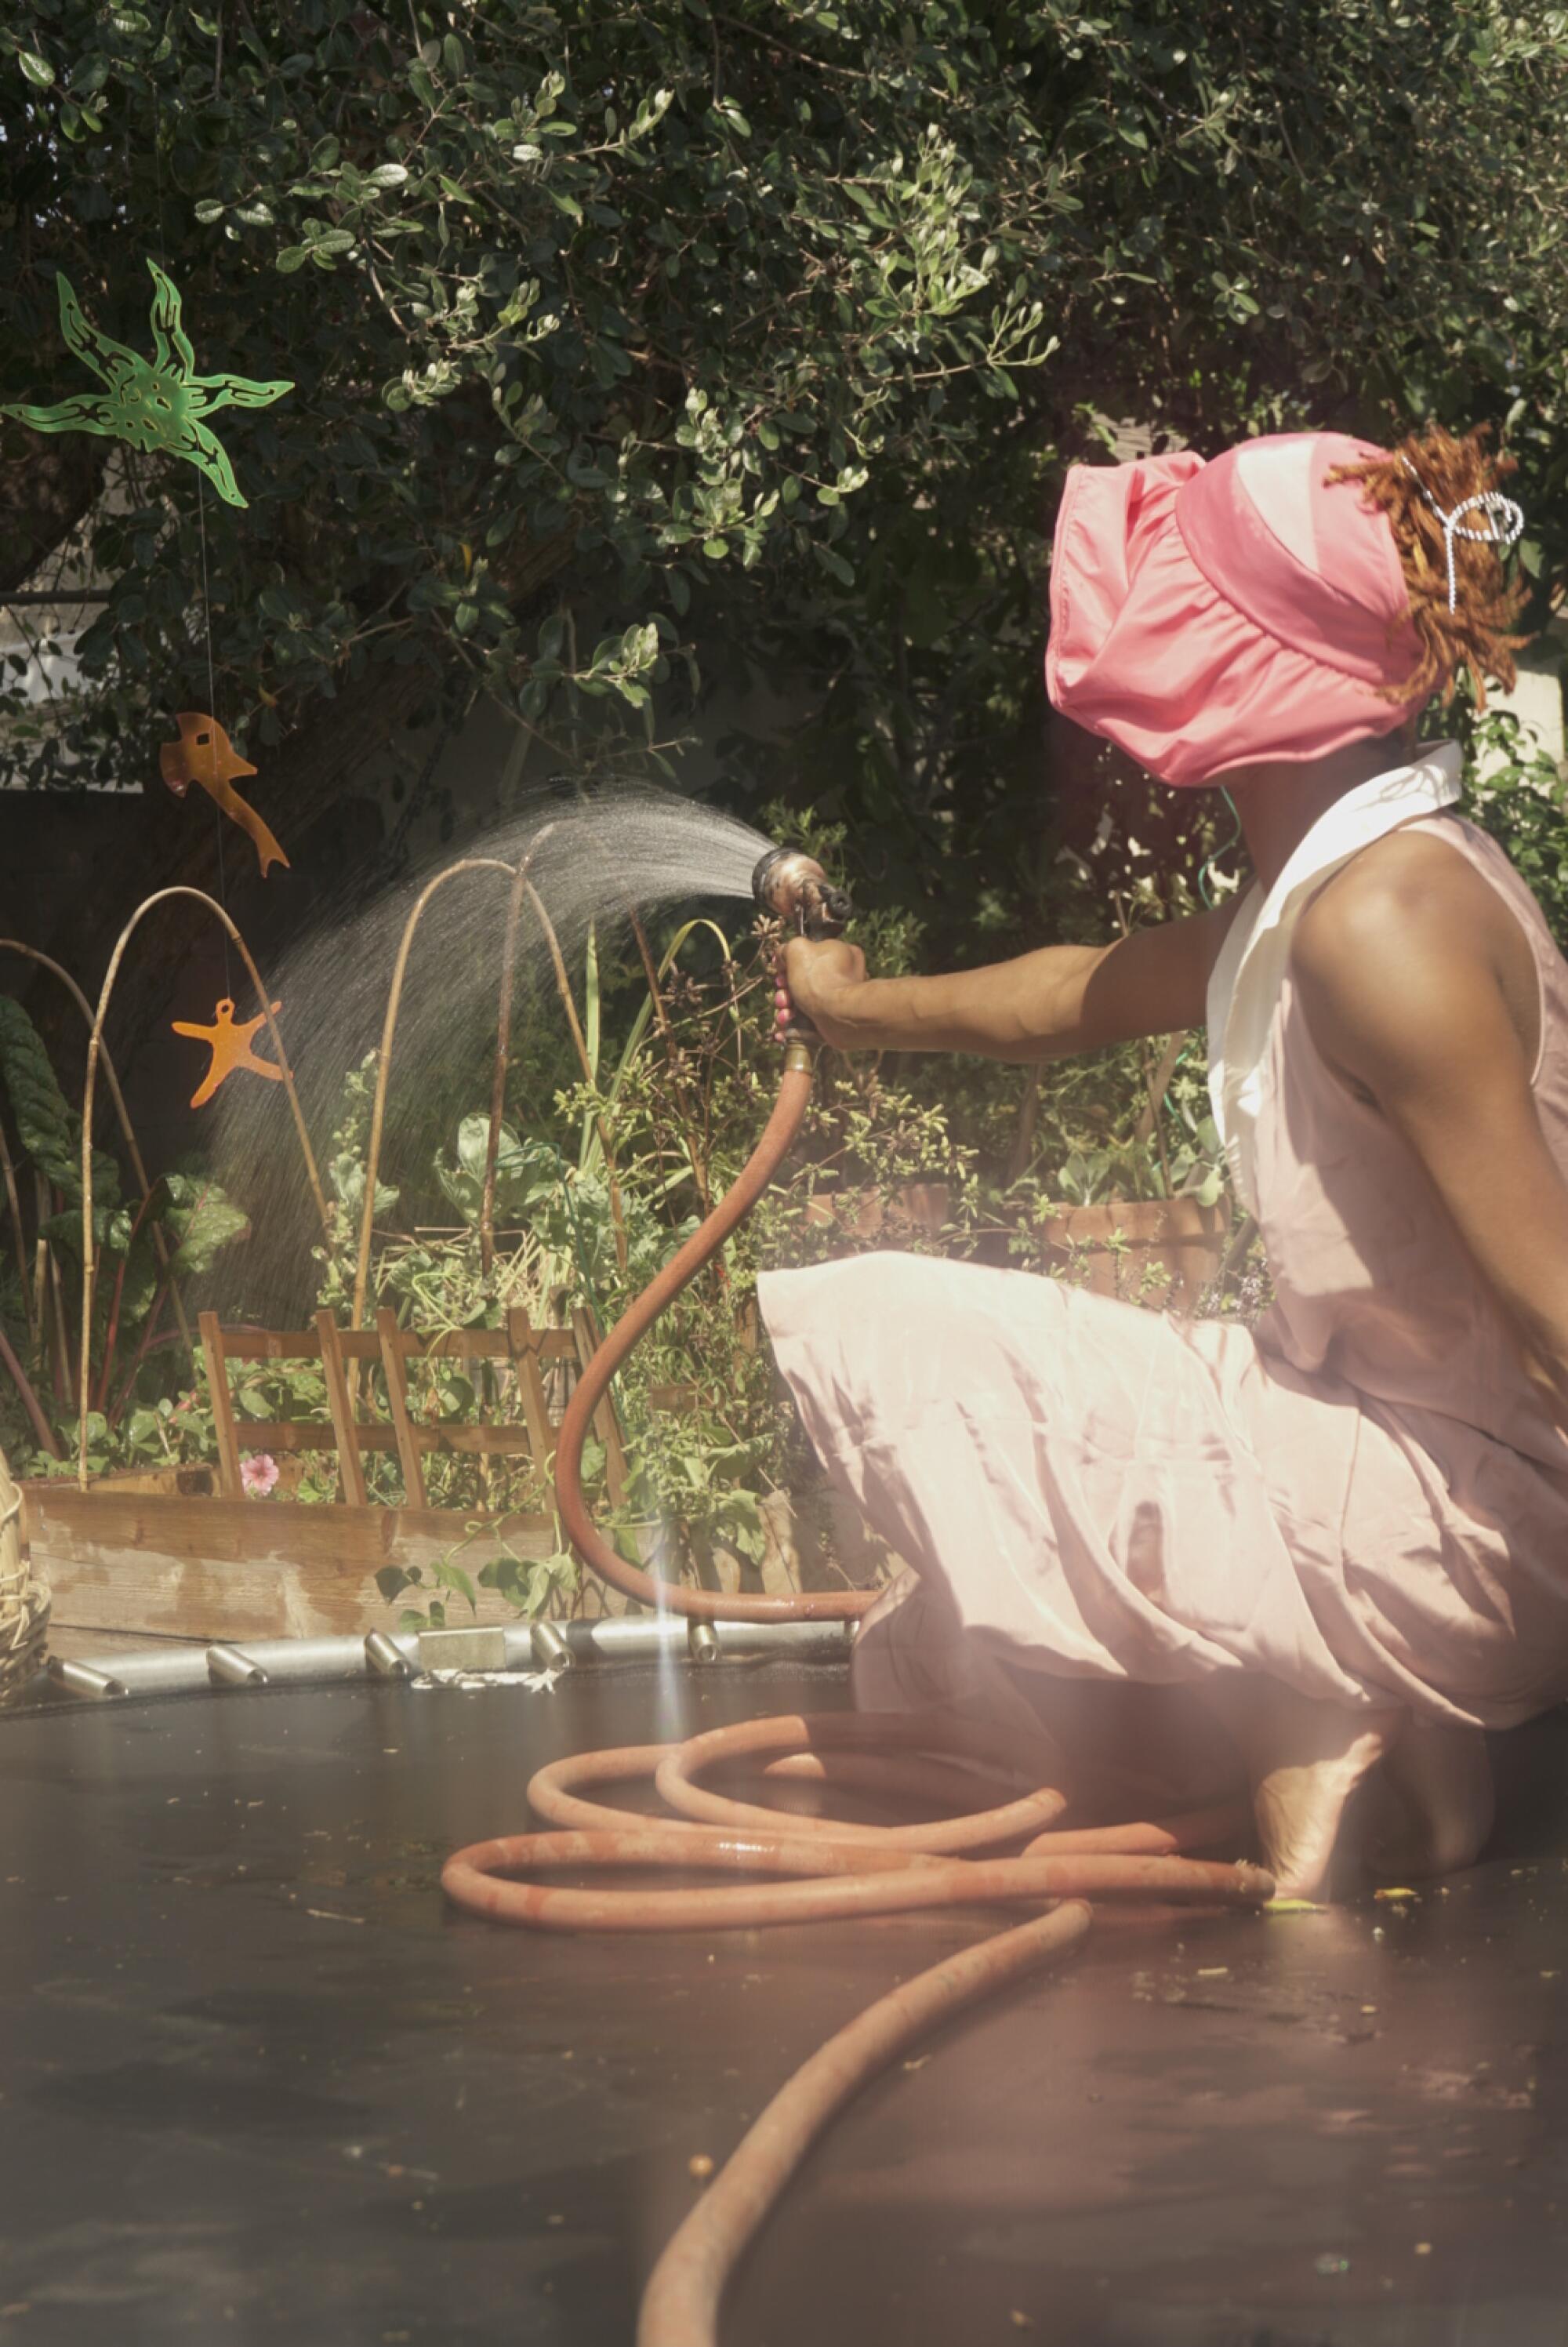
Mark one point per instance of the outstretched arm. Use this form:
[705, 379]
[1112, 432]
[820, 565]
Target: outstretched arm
[1043, 1006]
[1419, 987]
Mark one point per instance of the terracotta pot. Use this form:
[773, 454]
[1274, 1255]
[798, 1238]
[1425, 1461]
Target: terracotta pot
[1158, 1251]
[866, 1214]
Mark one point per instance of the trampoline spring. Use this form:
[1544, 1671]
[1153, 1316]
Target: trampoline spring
[702, 1642]
[227, 1666]
[385, 1657]
[551, 1649]
[81, 1679]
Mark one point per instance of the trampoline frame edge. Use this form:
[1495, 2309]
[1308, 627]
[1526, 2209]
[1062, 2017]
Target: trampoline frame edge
[230, 1665]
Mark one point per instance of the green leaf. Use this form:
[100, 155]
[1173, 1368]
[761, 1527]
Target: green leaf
[142, 1433]
[345, 1179]
[202, 1221]
[39, 71]
[519, 1168]
[49, 1131]
[143, 1271]
[473, 1144]
[452, 1576]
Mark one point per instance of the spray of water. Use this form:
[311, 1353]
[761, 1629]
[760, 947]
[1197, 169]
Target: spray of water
[592, 860]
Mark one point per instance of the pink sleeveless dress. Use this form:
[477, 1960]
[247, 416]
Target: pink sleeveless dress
[1364, 1497]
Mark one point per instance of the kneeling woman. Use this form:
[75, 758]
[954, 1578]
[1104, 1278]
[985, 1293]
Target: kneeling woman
[1343, 1536]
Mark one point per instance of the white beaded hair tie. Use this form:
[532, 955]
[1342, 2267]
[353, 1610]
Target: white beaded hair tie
[1505, 522]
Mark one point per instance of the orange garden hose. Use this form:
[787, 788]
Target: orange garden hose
[799, 1869]
[669, 1596]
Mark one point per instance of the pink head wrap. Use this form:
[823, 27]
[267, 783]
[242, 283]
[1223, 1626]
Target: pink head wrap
[1204, 616]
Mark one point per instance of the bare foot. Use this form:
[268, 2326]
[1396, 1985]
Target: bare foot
[1304, 1760]
[1442, 1781]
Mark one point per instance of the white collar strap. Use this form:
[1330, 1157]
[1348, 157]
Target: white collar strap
[1244, 988]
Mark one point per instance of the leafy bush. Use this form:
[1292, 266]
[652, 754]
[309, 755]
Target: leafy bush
[636, 350]
[1518, 793]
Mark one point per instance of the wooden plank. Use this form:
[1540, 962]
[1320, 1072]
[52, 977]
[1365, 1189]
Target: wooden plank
[606, 1424]
[481, 1345]
[484, 1441]
[272, 1344]
[339, 1402]
[213, 1348]
[528, 1351]
[309, 1434]
[365, 1345]
[306, 1434]
[555, 1344]
[397, 1403]
[249, 1568]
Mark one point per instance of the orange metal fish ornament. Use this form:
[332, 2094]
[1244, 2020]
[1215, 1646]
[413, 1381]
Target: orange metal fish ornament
[230, 1046]
[205, 754]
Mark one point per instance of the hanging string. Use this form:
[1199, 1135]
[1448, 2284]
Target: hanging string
[212, 713]
[202, 525]
[158, 168]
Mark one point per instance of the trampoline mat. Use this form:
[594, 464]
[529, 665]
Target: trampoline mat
[260, 2085]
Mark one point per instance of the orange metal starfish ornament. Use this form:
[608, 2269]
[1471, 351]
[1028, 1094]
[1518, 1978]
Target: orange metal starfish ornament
[231, 1048]
[205, 754]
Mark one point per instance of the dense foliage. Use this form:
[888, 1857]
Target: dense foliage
[638, 347]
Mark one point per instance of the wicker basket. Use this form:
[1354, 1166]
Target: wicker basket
[24, 1602]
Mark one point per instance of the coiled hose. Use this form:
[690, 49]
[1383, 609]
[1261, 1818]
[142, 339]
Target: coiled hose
[801, 1869]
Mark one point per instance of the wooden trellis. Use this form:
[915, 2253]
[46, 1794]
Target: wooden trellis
[526, 1348]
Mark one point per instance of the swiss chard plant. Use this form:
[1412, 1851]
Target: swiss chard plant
[148, 1247]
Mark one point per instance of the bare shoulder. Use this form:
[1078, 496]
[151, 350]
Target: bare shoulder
[1410, 958]
[1407, 900]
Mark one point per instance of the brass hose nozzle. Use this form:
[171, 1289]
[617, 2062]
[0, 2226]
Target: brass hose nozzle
[794, 886]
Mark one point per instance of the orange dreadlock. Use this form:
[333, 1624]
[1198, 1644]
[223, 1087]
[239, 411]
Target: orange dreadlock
[1476, 635]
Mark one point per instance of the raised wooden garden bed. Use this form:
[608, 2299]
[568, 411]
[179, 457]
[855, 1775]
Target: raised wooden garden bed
[184, 1553]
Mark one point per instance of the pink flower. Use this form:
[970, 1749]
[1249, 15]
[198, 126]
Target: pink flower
[259, 1473]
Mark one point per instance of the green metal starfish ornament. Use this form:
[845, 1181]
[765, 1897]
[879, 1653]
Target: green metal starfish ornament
[159, 405]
